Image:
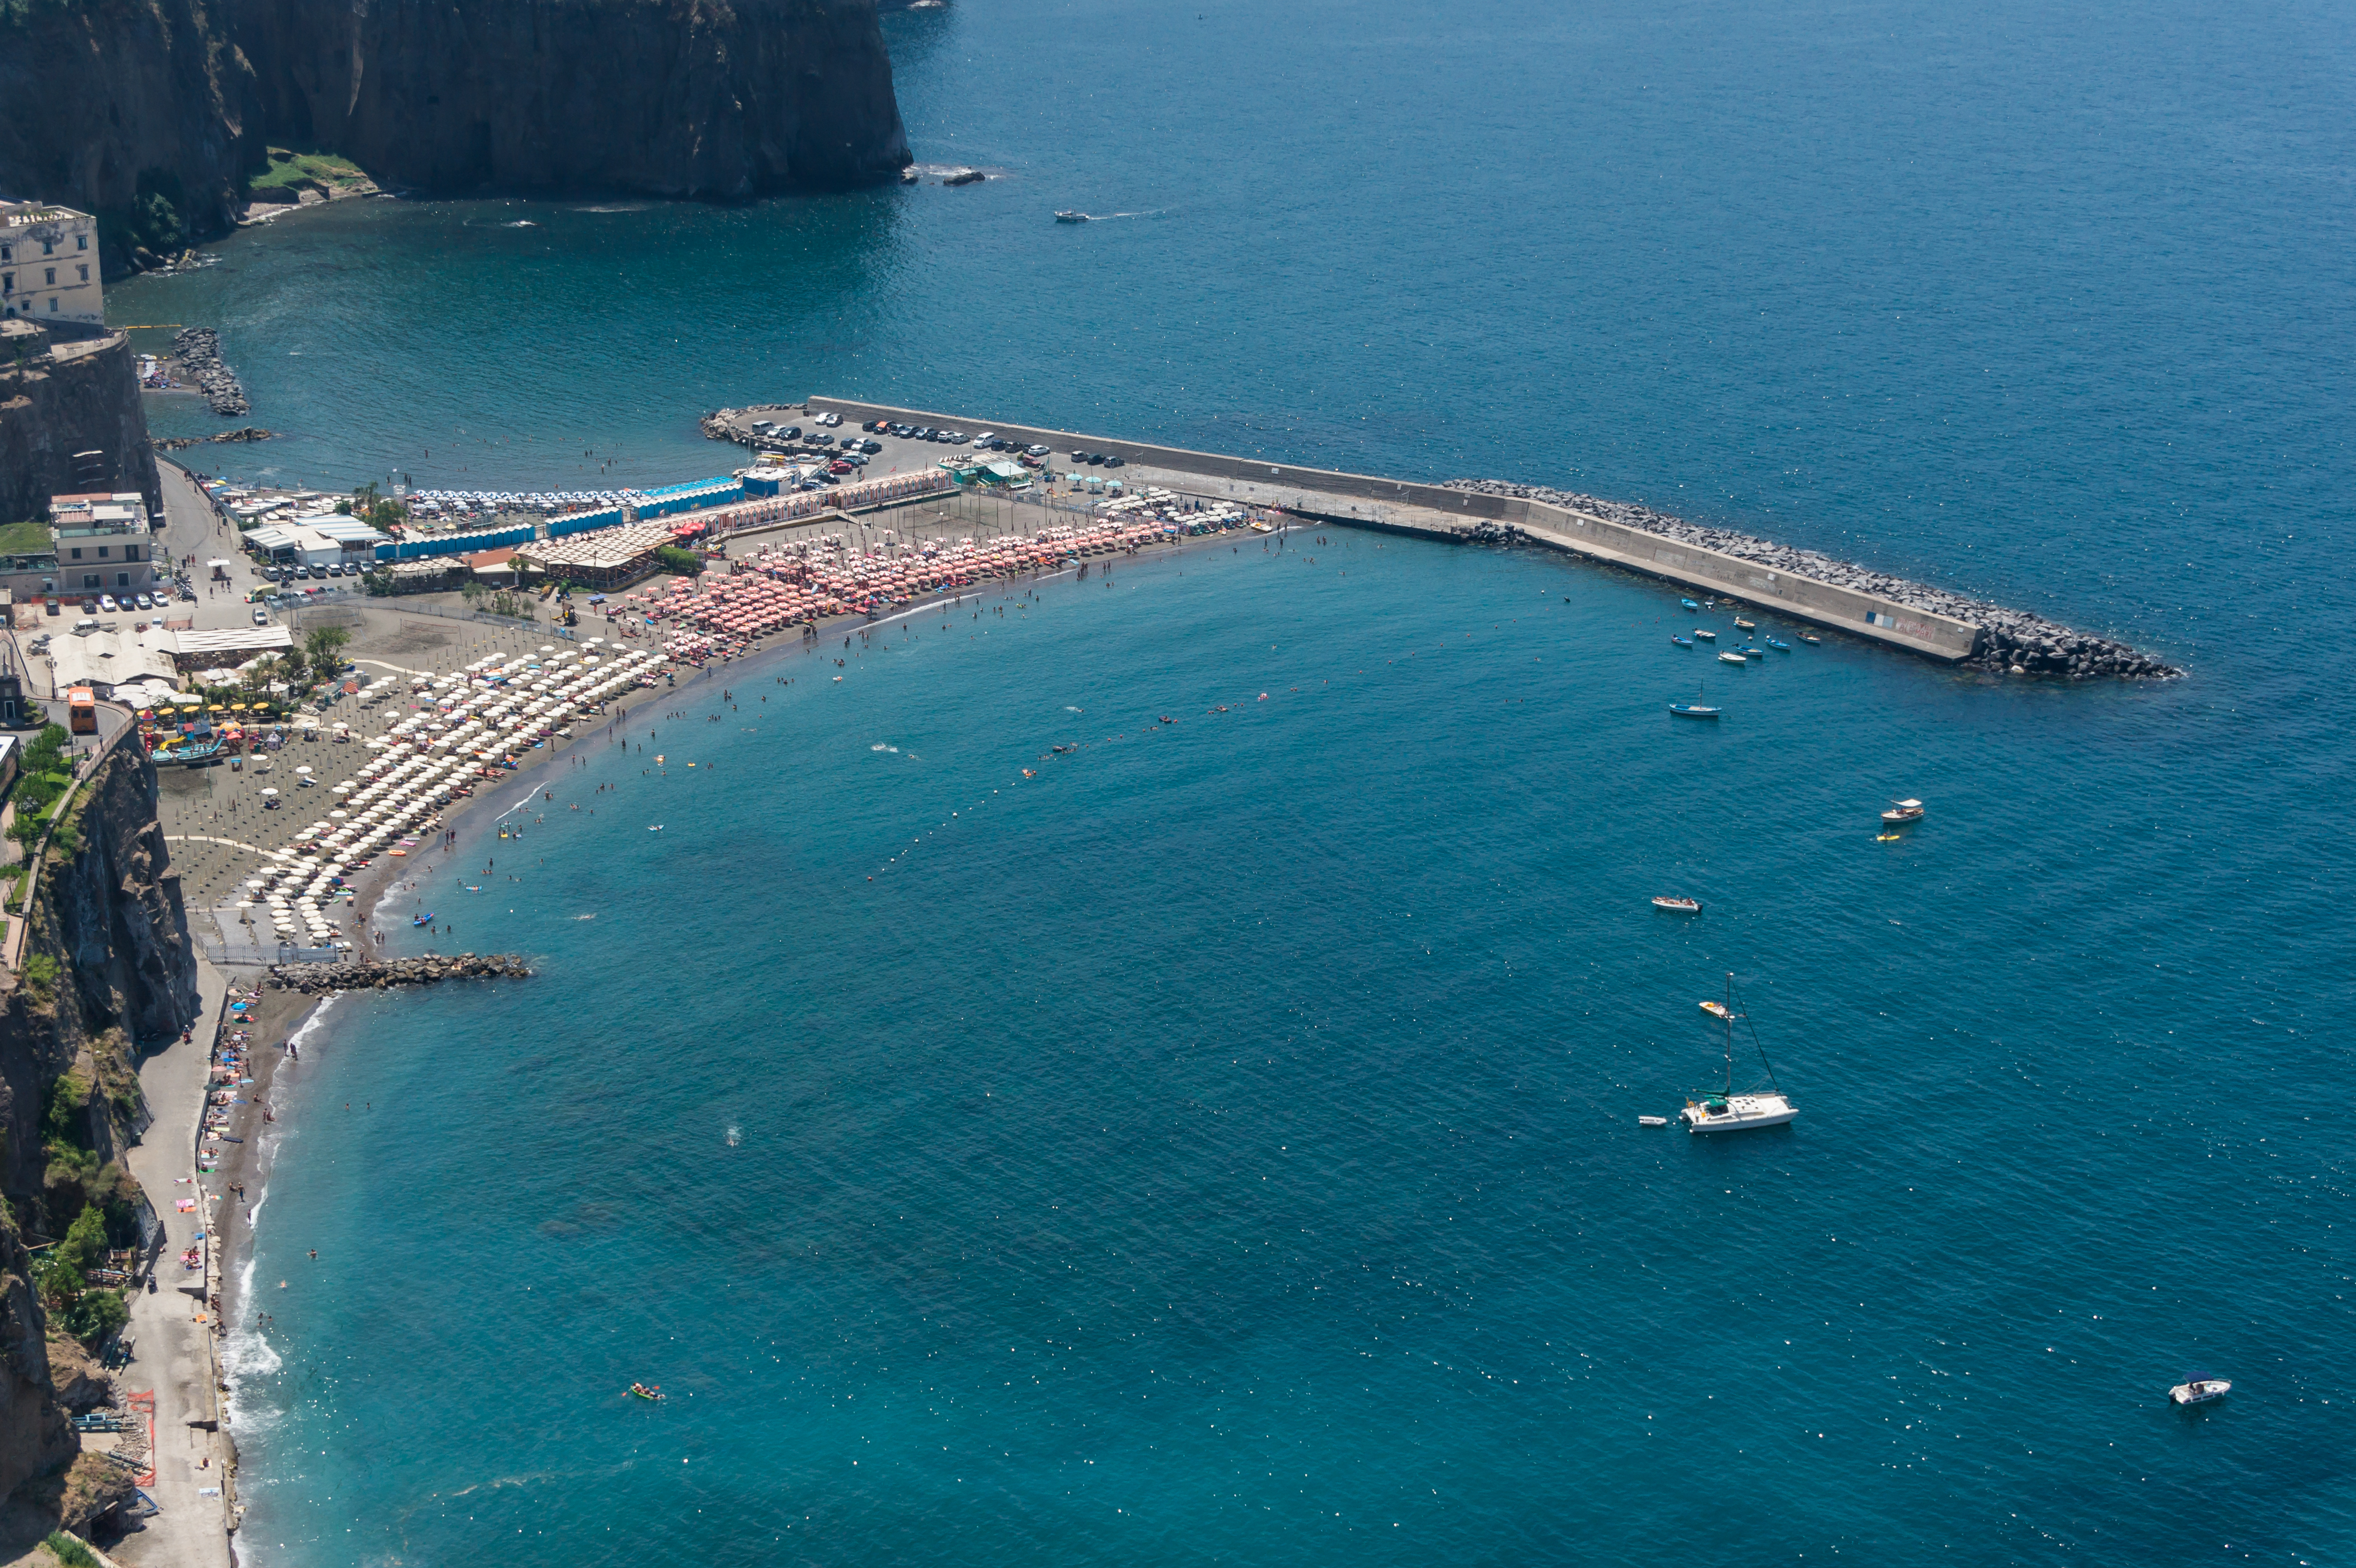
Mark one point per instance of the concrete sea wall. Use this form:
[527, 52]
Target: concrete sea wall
[1440, 512]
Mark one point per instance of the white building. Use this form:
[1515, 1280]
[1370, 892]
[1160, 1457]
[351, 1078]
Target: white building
[48, 264]
[102, 543]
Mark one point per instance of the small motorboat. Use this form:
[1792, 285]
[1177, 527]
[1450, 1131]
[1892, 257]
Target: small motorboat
[1717, 1010]
[1902, 812]
[1751, 652]
[2200, 1390]
[1732, 658]
[641, 1392]
[1071, 218]
[1705, 635]
[1651, 1121]
[1689, 604]
[1681, 641]
[424, 919]
[1682, 906]
[1811, 638]
[1746, 625]
[1776, 643]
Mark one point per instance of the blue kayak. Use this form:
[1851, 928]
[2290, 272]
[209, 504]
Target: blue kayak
[1689, 604]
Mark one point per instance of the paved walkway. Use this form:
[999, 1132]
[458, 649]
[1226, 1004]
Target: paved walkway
[173, 1353]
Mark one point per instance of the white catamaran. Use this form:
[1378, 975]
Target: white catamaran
[1727, 1112]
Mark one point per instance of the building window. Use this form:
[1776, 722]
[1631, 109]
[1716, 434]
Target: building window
[81, 242]
[131, 552]
[84, 270]
[101, 552]
[53, 304]
[7, 252]
[77, 552]
[52, 278]
[122, 579]
[48, 247]
[90, 579]
[8, 283]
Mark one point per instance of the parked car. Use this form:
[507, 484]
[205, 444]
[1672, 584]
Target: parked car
[1036, 451]
[262, 618]
[870, 447]
[106, 602]
[1114, 461]
[839, 466]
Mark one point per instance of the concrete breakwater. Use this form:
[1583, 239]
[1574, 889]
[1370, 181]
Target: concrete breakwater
[197, 349]
[427, 970]
[2014, 641]
[1847, 598]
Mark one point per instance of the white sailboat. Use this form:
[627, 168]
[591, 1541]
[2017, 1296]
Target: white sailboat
[1727, 1112]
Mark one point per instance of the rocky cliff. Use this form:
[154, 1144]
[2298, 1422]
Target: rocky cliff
[153, 113]
[114, 105]
[58, 400]
[108, 967]
[696, 98]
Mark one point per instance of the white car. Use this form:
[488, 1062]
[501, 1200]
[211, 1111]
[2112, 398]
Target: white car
[262, 618]
[106, 602]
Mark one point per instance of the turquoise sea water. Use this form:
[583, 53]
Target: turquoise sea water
[1223, 1145]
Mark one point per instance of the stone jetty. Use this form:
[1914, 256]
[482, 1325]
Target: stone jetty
[2016, 641]
[197, 349]
[427, 971]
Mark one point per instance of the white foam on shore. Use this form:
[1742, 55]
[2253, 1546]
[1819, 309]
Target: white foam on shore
[246, 1351]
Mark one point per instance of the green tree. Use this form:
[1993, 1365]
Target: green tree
[325, 645]
[681, 562]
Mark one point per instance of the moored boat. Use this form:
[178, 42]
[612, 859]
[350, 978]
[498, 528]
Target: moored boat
[1681, 641]
[1904, 811]
[1689, 604]
[1746, 625]
[1731, 657]
[1706, 636]
[1682, 906]
[1810, 638]
[2200, 1390]
[1727, 1111]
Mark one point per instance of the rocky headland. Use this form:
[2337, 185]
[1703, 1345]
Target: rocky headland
[157, 114]
[2017, 642]
[58, 399]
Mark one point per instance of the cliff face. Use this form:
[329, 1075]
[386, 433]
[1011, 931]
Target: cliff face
[108, 965]
[682, 97]
[76, 397]
[111, 100]
[118, 921]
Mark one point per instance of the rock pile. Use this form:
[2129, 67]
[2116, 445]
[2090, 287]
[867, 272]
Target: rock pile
[2017, 642]
[197, 349]
[362, 976]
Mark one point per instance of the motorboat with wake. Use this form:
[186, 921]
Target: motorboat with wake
[1727, 1111]
[1072, 217]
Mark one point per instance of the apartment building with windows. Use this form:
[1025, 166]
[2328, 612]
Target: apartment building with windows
[48, 264]
[104, 545]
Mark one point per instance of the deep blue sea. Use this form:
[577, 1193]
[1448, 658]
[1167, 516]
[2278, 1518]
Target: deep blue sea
[1222, 1146]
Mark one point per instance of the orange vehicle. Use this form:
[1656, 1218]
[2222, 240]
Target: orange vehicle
[81, 710]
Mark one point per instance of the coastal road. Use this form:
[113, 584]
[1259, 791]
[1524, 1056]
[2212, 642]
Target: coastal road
[172, 1353]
